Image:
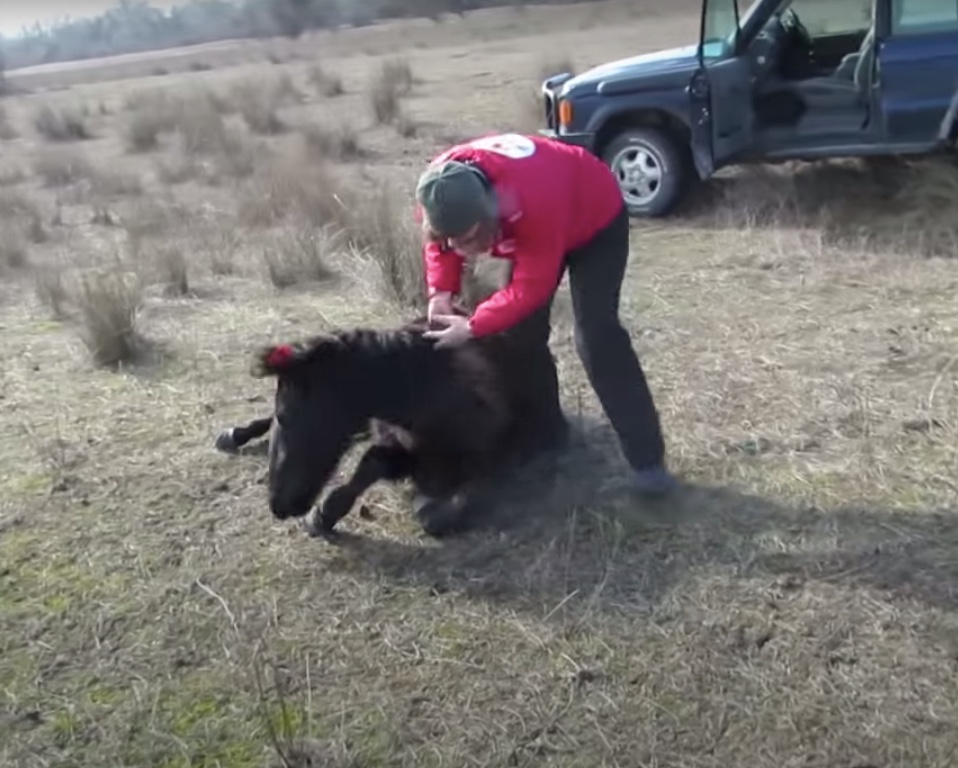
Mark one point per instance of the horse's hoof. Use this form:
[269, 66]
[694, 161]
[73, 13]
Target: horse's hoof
[226, 442]
[317, 527]
[440, 517]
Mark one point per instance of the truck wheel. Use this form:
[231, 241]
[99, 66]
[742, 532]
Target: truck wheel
[650, 169]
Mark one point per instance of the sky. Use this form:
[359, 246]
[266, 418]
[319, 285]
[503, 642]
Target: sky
[14, 14]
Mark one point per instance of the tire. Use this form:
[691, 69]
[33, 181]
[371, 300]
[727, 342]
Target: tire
[663, 157]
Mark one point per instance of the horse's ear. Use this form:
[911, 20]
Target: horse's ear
[274, 360]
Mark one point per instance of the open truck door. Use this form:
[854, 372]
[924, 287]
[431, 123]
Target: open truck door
[720, 90]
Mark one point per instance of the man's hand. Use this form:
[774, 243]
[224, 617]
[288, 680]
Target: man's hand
[456, 332]
[440, 304]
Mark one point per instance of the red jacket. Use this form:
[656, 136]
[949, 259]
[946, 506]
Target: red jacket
[553, 198]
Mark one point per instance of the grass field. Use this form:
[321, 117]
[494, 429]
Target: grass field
[795, 605]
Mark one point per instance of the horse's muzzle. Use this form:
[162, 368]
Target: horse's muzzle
[284, 509]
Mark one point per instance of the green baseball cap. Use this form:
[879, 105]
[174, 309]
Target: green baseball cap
[455, 197]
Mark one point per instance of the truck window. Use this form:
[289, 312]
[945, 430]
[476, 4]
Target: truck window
[922, 17]
[834, 18]
[720, 30]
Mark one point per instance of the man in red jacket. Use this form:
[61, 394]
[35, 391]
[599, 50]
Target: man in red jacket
[547, 207]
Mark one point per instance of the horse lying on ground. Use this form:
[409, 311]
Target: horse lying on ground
[448, 419]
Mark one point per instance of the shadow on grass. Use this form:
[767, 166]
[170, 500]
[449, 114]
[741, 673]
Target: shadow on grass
[581, 543]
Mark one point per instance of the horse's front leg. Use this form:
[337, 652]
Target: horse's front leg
[232, 439]
[379, 462]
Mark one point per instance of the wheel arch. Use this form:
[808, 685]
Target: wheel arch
[677, 129]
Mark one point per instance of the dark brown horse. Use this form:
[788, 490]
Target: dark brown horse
[449, 420]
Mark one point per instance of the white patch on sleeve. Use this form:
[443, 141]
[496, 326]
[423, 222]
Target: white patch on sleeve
[511, 145]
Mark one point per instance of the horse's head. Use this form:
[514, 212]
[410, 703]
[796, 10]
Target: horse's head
[316, 419]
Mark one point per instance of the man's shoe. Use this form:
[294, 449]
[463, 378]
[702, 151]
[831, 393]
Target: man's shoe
[654, 480]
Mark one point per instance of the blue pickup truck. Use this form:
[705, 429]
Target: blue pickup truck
[785, 80]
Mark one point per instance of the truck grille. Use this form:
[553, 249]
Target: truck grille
[549, 109]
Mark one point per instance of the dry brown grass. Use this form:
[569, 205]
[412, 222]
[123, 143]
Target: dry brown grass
[21, 224]
[7, 130]
[391, 82]
[200, 125]
[164, 263]
[203, 144]
[297, 186]
[60, 124]
[794, 605]
[13, 251]
[339, 142]
[51, 290]
[366, 226]
[259, 102]
[391, 242]
[145, 128]
[406, 126]
[108, 303]
[58, 167]
[887, 206]
[12, 174]
[326, 83]
[301, 254]
[15, 206]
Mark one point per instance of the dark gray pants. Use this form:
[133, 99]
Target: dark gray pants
[596, 271]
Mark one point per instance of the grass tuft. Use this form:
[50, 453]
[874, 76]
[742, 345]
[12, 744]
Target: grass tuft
[301, 254]
[108, 304]
[391, 82]
[60, 124]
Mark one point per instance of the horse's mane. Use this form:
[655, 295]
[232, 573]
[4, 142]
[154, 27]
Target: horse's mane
[360, 341]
